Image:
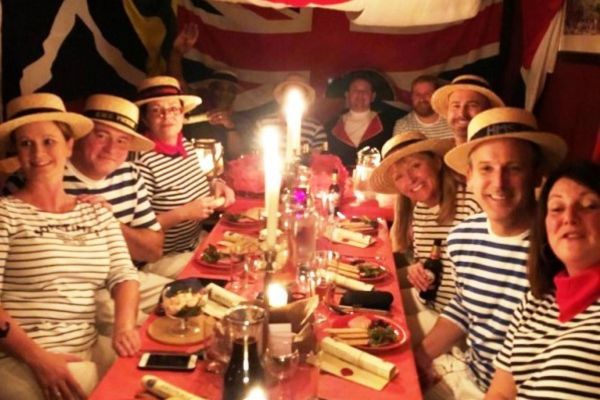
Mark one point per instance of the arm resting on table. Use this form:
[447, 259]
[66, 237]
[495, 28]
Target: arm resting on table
[126, 338]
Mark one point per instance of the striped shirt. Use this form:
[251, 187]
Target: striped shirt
[426, 229]
[435, 130]
[312, 132]
[549, 359]
[124, 189]
[174, 181]
[490, 283]
[51, 266]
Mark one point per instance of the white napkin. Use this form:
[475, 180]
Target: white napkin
[348, 237]
[220, 300]
[346, 282]
[368, 370]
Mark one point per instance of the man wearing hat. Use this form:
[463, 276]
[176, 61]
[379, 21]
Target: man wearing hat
[312, 132]
[461, 100]
[98, 172]
[361, 125]
[423, 118]
[215, 118]
[503, 159]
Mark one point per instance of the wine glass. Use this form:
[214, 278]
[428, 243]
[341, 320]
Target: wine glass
[181, 300]
[281, 362]
[218, 350]
[322, 274]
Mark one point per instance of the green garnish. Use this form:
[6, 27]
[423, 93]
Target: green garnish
[211, 255]
[381, 333]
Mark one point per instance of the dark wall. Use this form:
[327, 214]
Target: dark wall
[570, 102]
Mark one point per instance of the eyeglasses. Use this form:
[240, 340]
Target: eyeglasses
[163, 112]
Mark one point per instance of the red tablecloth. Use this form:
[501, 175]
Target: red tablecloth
[123, 380]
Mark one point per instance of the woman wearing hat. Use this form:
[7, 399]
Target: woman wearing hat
[552, 348]
[178, 187]
[430, 202]
[55, 254]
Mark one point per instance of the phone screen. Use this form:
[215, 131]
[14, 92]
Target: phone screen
[166, 361]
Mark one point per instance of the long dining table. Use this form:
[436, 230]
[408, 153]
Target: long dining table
[123, 380]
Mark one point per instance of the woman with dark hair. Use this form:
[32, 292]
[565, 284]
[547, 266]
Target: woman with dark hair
[552, 348]
[430, 202]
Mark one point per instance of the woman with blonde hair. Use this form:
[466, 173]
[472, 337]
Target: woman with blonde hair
[55, 254]
[430, 202]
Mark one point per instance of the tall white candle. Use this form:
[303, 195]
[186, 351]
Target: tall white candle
[272, 167]
[293, 109]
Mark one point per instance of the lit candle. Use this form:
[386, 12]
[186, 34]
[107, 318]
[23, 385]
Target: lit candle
[277, 295]
[256, 393]
[293, 110]
[272, 167]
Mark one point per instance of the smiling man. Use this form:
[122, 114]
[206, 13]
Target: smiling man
[503, 160]
[463, 99]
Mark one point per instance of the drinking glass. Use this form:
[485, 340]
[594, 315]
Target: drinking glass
[281, 361]
[218, 350]
[324, 263]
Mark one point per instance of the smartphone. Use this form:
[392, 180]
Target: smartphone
[168, 361]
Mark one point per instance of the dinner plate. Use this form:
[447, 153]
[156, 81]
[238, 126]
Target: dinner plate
[343, 320]
[218, 265]
[248, 224]
[354, 260]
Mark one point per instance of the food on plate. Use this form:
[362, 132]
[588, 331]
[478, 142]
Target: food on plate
[212, 255]
[250, 216]
[359, 224]
[359, 269]
[364, 331]
[238, 244]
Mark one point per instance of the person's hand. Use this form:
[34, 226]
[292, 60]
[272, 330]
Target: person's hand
[200, 209]
[94, 199]
[54, 377]
[126, 342]
[221, 189]
[417, 275]
[220, 117]
[186, 38]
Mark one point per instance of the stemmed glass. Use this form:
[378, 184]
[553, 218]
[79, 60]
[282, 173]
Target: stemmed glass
[321, 279]
[181, 300]
[281, 361]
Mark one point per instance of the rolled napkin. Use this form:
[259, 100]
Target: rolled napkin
[346, 282]
[219, 301]
[345, 236]
[367, 369]
[376, 300]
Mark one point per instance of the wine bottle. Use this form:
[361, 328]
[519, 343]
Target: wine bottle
[245, 370]
[433, 267]
[334, 194]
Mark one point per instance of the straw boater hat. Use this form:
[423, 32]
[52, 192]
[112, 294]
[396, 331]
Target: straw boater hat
[36, 107]
[506, 123]
[398, 147]
[165, 88]
[294, 80]
[219, 75]
[120, 114]
[439, 99]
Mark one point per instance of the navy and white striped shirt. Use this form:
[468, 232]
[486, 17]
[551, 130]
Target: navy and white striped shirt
[173, 181]
[426, 229]
[549, 359]
[491, 280]
[52, 265]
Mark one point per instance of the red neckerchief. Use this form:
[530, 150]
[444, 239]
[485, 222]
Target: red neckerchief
[373, 129]
[169, 149]
[575, 293]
